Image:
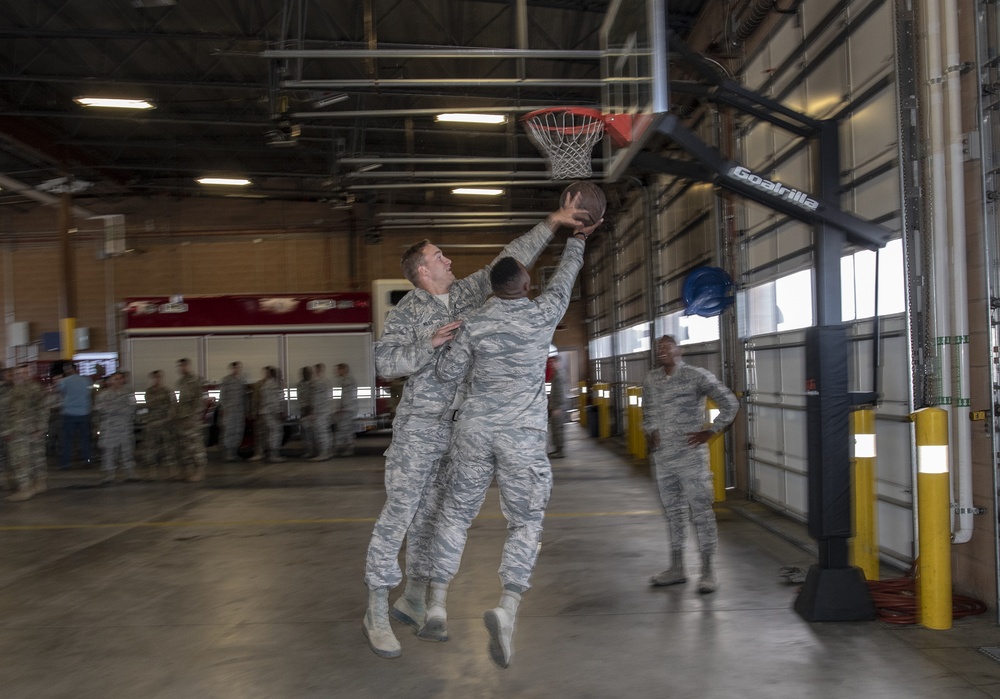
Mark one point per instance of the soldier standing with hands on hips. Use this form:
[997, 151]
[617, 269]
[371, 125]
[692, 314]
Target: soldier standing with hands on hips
[673, 402]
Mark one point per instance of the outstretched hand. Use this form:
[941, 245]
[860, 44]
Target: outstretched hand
[569, 215]
[445, 333]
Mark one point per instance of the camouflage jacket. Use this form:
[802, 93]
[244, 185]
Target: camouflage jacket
[502, 349]
[322, 395]
[675, 405]
[190, 403]
[270, 397]
[24, 410]
[233, 394]
[349, 394]
[405, 346]
[160, 403]
[114, 409]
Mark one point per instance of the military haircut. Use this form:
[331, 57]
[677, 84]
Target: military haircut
[412, 259]
[343, 366]
[184, 361]
[505, 274]
[667, 338]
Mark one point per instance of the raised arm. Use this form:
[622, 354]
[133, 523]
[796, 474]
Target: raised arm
[555, 299]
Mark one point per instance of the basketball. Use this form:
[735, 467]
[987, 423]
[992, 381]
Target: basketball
[591, 199]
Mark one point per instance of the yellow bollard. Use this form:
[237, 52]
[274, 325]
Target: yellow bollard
[933, 519]
[582, 403]
[602, 396]
[636, 438]
[716, 454]
[864, 545]
[630, 405]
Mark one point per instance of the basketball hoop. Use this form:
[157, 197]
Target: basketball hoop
[566, 136]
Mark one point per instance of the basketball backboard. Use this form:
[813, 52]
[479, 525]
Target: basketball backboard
[634, 68]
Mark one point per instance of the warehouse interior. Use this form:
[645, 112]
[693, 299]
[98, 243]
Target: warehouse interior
[250, 584]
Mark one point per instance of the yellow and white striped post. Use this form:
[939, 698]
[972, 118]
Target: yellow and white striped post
[636, 437]
[933, 518]
[716, 454]
[602, 398]
[582, 403]
[864, 545]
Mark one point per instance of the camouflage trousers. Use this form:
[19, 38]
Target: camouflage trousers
[191, 443]
[117, 441]
[685, 486]
[344, 437]
[273, 432]
[413, 467]
[156, 440]
[557, 429]
[233, 426]
[516, 456]
[321, 432]
[26, 458]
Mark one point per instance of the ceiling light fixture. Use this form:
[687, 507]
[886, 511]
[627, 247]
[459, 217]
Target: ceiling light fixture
[225, 181]
[472, 118]
[113, 103]
[483, 192]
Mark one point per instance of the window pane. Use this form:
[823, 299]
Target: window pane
[848, 311]
[864, 283]
[794, 298]
[891, 279]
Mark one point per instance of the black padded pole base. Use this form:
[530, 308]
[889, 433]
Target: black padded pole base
[835, 594]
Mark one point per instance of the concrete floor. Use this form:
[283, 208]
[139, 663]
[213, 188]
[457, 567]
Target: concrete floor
[250, 585]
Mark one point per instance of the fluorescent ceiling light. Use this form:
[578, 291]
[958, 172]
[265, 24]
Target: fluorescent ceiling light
[113, 103]
[473, 118]
[480, 191]
[227, 181]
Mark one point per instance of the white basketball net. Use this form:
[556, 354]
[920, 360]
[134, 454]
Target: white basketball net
[567, 140]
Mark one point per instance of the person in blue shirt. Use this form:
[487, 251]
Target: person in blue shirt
[77, 401]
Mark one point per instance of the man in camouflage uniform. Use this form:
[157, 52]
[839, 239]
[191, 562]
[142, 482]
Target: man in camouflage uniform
[189, 420]
[114, 410]
[500, 431]
[233, 399]
[343, 439]
[304, 398]
[24, 431]
[270, 419]
[322, 405]
[415, 329]
[673, 405]
[158, 436]
[557, 406]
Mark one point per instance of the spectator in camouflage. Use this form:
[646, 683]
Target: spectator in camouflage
[157, 435]
[304, 399]
[190, 428]
[343, 438]
[24, 421]
[322, 392]
[233, 400]
[557, 401]
[674, 419]
[114, 410]
[415, 329]
[500, 431]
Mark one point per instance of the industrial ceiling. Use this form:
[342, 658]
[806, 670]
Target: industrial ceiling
[311, 100]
